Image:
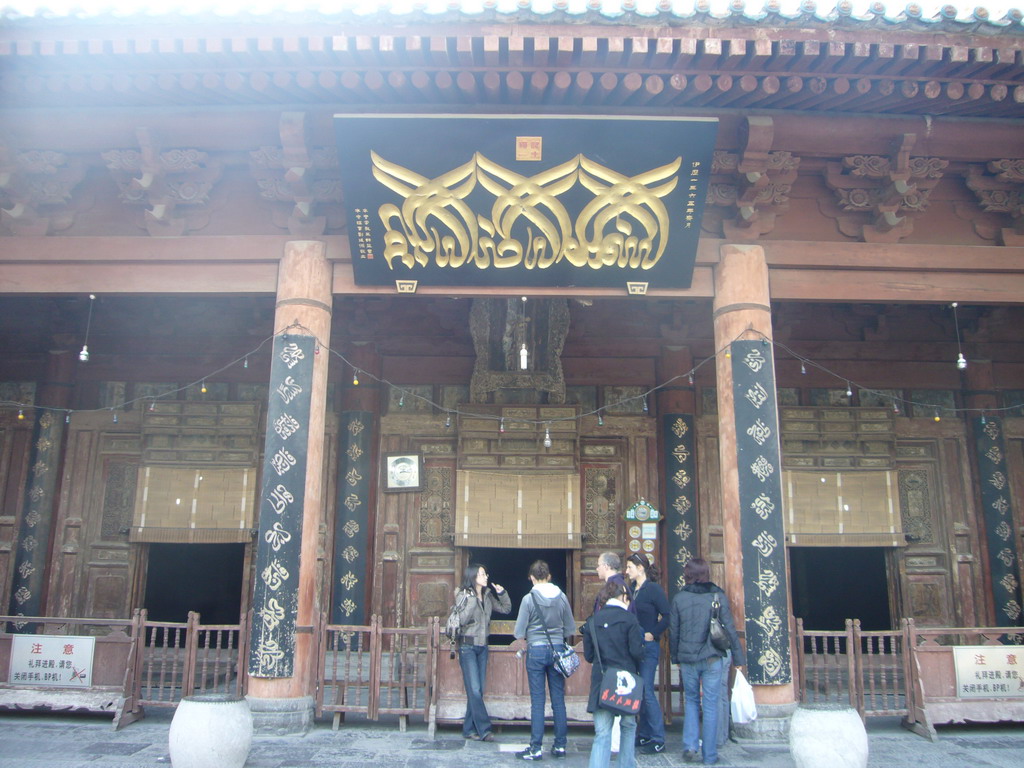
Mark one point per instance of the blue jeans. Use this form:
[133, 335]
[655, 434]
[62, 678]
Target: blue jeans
[601, 751]
[651, 723]
[473, 660]
[702, 689]
[540, 665]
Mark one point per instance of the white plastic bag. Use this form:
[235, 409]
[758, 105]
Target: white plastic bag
[744, 710]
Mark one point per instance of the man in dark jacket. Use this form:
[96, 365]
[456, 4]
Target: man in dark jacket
[701, 665]
[622, 647]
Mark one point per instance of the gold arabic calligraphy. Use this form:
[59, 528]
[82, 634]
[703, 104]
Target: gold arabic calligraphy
[625, 225]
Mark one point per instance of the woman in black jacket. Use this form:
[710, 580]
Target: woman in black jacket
[652, 609]
[701, 665]
[622, 647]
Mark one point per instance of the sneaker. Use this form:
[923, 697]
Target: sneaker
[530, 754]
[487, 737]
[652, 748]
[643, 741]
[472, 737]
[558, 751]
[690, 756]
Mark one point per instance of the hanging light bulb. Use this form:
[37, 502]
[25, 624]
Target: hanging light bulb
[547, 437]
[316, 348]
[67, 417]
[245, 363]
[983, 420]
[896, 407]
[849, 390]
[728, 353]
[448, 421]
[937, 416]
[202, 387]
[401, 400]
[501, 425]
[690, 377]
[645, 403]
[355, 378]
[84, 354]
[152, 405]
[21, 415]
[523, 358]
[600, 419]
[803, 368]
[115, 417]
[961, 362]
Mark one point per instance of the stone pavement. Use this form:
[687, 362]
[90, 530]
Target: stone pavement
[57, 741]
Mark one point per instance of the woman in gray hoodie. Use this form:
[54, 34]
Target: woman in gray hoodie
[476, 600]
[545, 621]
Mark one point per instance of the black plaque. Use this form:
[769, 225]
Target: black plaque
[282, 496]
[524, 201]
[997, 509]
[348, 605]
[681, 542]
[28, 579]
[762, 536]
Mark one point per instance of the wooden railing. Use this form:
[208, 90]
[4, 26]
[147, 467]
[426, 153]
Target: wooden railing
[869, 670]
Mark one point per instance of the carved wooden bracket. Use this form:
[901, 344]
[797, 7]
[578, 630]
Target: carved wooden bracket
[35, 190]
[303, 178]
[878, 196]
[751, 188]
[164, 181]
[999, 187]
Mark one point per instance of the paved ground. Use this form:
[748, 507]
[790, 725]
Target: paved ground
[55, 741]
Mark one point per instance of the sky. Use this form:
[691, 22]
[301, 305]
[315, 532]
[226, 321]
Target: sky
[62, 8]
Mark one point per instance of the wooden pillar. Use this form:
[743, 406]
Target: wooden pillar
[285, 704]
[742, 308]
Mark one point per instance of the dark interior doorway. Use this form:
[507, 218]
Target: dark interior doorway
[832, 584]
[195, 577]
[510, 568]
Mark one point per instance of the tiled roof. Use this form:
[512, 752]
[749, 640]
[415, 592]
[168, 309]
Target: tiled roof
[802, 12]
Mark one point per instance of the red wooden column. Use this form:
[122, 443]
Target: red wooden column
[285, 705]
[742, 303]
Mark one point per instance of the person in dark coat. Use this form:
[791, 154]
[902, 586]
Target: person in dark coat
[701, 665]
[478, 600]
[622, 647]
[652, 611]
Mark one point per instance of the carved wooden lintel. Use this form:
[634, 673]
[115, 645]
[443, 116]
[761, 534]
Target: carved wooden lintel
[877, 197]
[36, 190]
[172, 185]
[752, 187]
[299, 180]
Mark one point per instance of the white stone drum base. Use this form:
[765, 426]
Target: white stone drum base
[821, 736]
[210, 731]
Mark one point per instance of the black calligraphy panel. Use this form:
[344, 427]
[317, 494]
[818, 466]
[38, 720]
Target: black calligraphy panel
[681, 541]
[503, 200]
[762, 536]
[351, 530]
[997, 509]
[282, 497]
[27, 581]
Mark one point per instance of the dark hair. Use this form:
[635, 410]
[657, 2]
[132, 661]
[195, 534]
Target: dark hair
[469, 576]
[649, 568]
[540, 571]
[611, 560]
[612, 590]
[697, 571]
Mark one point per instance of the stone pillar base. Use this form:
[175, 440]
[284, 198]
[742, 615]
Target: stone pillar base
[281, 717]
[772, 724]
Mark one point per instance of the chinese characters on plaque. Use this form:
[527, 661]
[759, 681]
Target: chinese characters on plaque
[762, 537]
[63, 661]
[276, 596]
[351, 527]
[989, 671]
[680, 496]
[997, 508]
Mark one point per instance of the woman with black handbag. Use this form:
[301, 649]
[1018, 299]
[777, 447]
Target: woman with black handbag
[613, 640]
[701, 663]
[477, 599]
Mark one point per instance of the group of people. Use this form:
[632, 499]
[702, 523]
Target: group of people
[631, 612]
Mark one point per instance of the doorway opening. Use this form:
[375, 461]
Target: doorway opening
[510, 568]
[206, 578]
[832, 584]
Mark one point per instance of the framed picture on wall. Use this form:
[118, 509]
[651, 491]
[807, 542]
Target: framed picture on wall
[403, 472]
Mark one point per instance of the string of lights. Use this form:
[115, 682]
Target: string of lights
[897, 401]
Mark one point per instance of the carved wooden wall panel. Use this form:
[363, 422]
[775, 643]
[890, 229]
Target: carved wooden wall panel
[15, 439]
